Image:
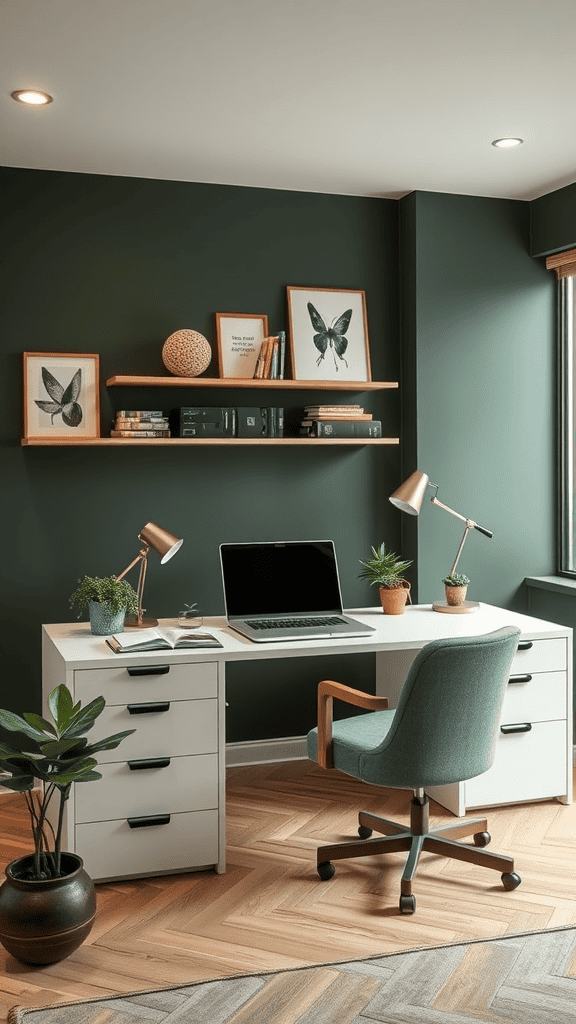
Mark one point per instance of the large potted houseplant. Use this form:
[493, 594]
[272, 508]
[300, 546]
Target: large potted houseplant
[384, 570]
[47, 903]
[108, 600]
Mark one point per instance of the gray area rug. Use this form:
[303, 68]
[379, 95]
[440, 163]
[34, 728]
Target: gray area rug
[517, 979]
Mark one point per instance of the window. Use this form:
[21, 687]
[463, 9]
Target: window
[565, 266]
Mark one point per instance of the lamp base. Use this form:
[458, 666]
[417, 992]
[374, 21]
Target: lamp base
[455, 609]
[132, 621]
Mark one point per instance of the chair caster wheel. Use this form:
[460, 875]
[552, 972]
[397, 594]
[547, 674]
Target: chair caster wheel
[325, 870]
[364, 832]
[407, 904]
[511, 880]
[481, 838]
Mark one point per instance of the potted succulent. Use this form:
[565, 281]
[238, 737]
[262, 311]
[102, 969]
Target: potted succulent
[47, 903]
[455, 586]
[108, 600]
[385, 570]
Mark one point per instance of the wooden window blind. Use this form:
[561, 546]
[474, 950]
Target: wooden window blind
[564, 263]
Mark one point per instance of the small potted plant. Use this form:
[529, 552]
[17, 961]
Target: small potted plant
[47, 903]
[385, 570]
[455, 586]
[108, 601]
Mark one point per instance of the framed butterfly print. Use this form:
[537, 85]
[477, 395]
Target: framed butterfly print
[61, 396]
[328, 334]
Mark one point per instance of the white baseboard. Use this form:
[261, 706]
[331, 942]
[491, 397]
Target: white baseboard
[286, 748]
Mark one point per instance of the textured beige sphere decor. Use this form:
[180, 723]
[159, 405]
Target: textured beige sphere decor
[186, 353]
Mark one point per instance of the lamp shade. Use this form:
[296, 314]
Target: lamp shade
[163, 542]
[410, 495]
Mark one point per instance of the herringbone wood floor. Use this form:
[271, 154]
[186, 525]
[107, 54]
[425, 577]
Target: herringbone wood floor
[270, 910]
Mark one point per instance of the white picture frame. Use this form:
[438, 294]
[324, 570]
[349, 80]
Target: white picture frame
[328, 334]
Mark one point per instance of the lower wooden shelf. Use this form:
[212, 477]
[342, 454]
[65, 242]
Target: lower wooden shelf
[130, 442]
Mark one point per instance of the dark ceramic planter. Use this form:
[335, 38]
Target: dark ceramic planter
[43, 922]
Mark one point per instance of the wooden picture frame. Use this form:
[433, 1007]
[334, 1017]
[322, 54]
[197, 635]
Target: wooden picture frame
[61, 396]
[328, 334]
[240, 337]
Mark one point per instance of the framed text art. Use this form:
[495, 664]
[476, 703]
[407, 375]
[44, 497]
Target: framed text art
[240, 337]
[328, 334]
[61, 396]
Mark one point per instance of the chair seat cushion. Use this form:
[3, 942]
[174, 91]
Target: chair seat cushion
[352, 738]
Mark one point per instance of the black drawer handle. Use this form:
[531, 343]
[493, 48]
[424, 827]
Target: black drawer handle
[520, 679]
[520, 727]
[148, 762]
[525, 645]
[148, 709]
[148, 670]
[149, 820]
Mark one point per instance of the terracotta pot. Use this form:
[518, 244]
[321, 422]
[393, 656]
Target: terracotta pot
[42, 922]
[393, 599]
[455, 595]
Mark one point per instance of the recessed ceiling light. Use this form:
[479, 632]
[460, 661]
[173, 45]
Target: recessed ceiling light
[507, 143]
[32, 97]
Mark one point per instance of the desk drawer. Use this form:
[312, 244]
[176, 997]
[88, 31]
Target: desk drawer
[542, 656]
[186, 725]
[528, 766]
[111, 849]
[185, 784]
[182, 681]
[535, 697]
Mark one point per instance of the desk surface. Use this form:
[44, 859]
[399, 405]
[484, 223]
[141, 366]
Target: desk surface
[410, 631]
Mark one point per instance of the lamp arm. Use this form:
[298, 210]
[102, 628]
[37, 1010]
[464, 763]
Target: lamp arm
[434, 500]
[139, 556]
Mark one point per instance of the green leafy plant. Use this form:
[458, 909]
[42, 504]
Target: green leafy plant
[58, 754]
[384, 569]
[456, 579]
[115, 594]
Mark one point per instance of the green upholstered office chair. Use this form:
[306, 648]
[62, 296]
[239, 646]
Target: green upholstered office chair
[444, 730]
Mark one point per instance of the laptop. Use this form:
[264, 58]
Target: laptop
[285, 590]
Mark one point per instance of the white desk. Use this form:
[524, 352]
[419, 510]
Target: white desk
[119, 824]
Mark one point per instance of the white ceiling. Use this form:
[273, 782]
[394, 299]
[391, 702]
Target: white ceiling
[361, 97]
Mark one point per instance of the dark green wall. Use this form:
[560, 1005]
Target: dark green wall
[553, 222]
[114, 265]
[480, 344]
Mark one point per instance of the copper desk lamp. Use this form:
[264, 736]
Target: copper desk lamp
[409, 497]
[165, 544]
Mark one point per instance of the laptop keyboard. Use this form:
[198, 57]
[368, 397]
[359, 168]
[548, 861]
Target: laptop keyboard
[322, 620]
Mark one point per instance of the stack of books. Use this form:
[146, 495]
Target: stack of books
[271, 358]
[339, 421]
[140, 423]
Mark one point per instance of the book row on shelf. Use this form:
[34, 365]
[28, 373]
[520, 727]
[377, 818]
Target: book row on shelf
[244, 421]
[271, 361]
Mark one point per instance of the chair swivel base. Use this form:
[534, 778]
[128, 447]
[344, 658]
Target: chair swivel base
[442, 839]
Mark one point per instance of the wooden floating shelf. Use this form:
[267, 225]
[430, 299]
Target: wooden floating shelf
[249, 382]
[131, 442]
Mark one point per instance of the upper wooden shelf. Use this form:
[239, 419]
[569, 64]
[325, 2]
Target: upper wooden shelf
[249, 382]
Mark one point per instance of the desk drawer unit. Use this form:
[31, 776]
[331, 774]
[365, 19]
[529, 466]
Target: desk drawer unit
[533, 756]
[158, 807]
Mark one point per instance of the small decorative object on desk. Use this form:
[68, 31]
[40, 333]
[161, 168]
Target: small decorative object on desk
[140, 423]
[186, 353]
[385, 570]
[191, 617]
[108, 600]
[47, 903]
[455, 586]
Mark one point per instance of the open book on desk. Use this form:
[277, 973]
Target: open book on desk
[158, 639]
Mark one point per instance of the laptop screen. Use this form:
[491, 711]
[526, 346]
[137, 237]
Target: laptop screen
[280, 578]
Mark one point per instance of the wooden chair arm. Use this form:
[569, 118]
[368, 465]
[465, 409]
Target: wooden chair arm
[327, 690]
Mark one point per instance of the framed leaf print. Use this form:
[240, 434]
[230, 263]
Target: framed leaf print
[61, 396]
[328, 334]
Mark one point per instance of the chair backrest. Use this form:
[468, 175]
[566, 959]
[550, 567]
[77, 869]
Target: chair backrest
[446, 724]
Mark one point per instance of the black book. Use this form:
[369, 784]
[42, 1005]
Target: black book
[345, 428]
